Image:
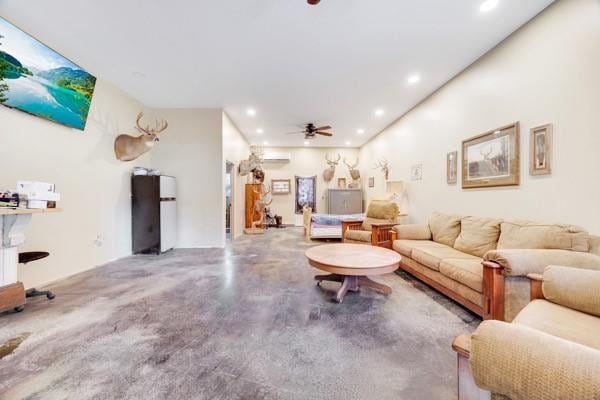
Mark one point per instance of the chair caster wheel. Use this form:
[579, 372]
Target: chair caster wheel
[19, 308]
[50, 296]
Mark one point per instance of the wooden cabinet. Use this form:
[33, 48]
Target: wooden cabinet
[344, 201]
[253, 193]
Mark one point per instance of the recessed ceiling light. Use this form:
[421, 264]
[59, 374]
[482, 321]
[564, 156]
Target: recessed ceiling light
[348, 143]
[306, 143]
[260, 131]
[265, 143]
[379, 112]
[413, 79]
[251, 112]
[488, 5]
[360, 131]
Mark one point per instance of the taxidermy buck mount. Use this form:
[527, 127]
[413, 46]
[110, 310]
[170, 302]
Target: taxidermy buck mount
[128, 148]
[384, 166]
[354, 173]
[329, 173]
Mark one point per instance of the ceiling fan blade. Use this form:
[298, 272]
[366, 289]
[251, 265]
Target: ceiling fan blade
[324, 133]
[323, 128]
[294, 133]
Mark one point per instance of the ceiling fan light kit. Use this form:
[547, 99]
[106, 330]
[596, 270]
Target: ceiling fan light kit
[313, 2]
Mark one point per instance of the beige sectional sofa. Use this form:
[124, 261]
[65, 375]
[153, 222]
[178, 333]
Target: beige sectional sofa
[482, 263]
[551, 350]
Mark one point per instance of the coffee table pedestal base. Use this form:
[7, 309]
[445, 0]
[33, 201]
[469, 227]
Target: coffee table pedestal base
[352, 284]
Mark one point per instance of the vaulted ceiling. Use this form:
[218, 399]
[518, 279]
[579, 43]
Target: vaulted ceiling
[335, 63]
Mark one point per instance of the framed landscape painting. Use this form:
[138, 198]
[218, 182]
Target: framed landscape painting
[540, 148]
[37, 80]
[492, 159]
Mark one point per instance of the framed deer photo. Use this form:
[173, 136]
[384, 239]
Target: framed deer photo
[492, 158]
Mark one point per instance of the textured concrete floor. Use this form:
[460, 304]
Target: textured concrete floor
[247, 322]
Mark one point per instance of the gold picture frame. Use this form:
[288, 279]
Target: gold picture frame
[540, 150]
[452, 168]
[281, 186]
[492, 159]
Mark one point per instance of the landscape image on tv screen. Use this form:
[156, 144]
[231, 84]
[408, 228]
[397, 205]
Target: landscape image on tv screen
[39, 81]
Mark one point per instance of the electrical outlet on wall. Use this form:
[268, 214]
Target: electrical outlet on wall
[98, 242]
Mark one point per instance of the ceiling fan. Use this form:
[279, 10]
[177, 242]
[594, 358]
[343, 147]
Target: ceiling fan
[311, 131]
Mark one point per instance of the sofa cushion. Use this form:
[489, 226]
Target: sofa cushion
[381, 209]
[478, 235]
[405, 246]
[532, 235]
[432, 256]
[576, 288]
[358, 235]
[561, 321]
[444, 228]
[413, 231]
[450, 284]
[469, 272]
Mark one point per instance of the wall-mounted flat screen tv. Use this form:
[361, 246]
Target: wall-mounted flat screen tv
[39, 81]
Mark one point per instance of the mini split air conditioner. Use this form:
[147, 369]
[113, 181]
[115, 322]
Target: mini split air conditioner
[277, 157]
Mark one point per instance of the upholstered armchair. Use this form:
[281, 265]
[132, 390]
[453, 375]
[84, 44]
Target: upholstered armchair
[551, 350]
[375, 228]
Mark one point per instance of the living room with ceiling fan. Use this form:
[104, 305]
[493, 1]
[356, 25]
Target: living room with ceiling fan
[328, 199]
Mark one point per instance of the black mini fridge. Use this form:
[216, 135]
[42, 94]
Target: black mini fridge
[154, 213]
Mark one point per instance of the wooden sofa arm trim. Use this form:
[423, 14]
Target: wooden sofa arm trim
[462, 345]
[380, 235]
[349, 225]
[493, 291]
[535, 287]
[393, 235]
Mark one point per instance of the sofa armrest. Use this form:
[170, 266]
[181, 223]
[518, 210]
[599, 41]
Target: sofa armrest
[574, 288]
[535, 287]
[413, 232]
[520, 262]
[354, 224]
[524, 363]
[380, 234]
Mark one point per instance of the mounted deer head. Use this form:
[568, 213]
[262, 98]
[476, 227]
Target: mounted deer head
[128, 148]
[254, 162]
[383, 165]
[354, 173]
[329, 173]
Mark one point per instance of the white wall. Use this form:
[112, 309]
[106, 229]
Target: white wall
[235, 149]
[191, 150]
[305, 161]
[94, 186]
[547, 72]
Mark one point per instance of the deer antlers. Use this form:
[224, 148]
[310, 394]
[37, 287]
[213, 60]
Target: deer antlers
[331, 162]
[158, 128]
[383, 164]
[353, 166]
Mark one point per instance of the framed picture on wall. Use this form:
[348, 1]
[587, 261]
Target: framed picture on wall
[492, 158]
[281, 186]
[372, 182]
[416, 172]
[540, 150]
[306, 193]
[452, 168]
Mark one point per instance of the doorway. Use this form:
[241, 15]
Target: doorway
[228, 199]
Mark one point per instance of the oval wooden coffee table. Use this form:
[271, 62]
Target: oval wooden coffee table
[352, 264]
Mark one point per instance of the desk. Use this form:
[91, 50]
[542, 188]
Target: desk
[12, 234]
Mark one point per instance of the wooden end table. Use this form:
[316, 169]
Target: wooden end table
[352, 264]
